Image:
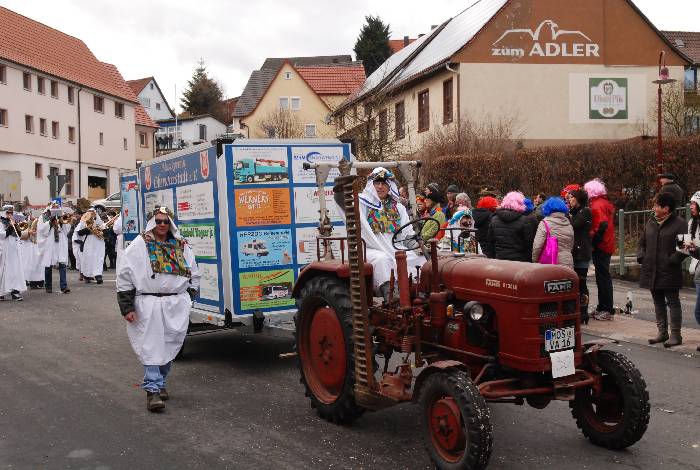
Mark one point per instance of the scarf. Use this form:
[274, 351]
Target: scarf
[167, 257]
[386, 219]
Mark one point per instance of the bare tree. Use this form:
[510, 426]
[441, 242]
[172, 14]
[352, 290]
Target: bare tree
[281, 124]
[677, 109]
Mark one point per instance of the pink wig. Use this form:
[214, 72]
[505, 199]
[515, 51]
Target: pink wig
[514, 200]
[595, 188]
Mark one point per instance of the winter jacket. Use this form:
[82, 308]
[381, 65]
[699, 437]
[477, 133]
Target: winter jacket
[482, 220]
[602, 231]
[661, 263]
[509, 237]
[581, 219]
[694, 267]
[559, 227]
[676, 191]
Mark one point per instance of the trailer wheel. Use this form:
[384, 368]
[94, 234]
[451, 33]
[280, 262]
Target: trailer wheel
[325, 349]
[456, 422]
[249, 179]
[618, 417]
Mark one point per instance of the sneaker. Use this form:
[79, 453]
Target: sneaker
[153, 402]
[602, 316]
[49, 291]
[65, 291]
[17, 297]
[164, 394]
[98, 279]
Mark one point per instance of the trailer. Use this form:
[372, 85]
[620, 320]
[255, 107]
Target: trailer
[250, 238]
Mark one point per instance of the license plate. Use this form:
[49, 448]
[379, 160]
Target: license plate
[560, 338]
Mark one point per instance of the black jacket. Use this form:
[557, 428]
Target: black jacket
[661, 263]
[482, 220]
[581, 219]
[510, 236]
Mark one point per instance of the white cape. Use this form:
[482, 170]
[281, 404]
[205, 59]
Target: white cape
[11, 267]
[161, 323]
[51, 251]
[33, 269]
[92, 259]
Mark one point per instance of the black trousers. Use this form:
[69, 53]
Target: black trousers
[601, 261]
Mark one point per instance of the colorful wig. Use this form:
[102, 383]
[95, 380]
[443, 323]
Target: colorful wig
[529, 206]
[514, 200]
[595, 188]
[554, 204]
[487, 202]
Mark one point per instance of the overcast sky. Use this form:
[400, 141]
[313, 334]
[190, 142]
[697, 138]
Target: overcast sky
[166, 38]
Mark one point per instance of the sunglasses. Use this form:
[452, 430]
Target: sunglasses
[162, 222]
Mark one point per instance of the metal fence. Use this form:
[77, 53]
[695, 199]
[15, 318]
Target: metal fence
[630, 226]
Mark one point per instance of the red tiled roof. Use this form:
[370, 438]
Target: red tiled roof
[397, 44]
[334, 80]
[142, 118]
[35, 45]
[686, 41]
[138, 84]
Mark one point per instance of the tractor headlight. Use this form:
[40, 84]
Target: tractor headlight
[475, 310]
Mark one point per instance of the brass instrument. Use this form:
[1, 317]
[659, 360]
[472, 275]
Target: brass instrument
[64, 219]
[89, 219]
[22, 226]
[111, 221]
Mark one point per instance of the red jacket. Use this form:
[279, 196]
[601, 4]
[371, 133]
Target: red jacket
[603, 213]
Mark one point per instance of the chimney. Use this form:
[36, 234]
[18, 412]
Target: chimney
[420, 35]
[405, 41]
[432, 27]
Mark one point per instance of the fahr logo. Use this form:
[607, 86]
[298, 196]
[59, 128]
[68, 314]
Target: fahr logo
[555, 287]
[547, 40]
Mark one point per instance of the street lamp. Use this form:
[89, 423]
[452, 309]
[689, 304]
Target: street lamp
[663, 79]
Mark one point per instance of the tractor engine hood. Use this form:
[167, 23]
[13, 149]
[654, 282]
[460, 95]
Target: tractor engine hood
[474, 275]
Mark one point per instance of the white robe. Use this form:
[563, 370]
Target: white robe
[161, 322]
[51, 251]
[33, 268]
[11, 267]
[92, 259]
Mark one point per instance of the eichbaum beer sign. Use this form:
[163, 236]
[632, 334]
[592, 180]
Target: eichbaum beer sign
[607, 98]
[547, 40]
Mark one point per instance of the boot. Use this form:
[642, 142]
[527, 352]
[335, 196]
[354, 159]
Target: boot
[661, 324]
[98, 279]
[660, 338]
[154, 402]
[164, 395]
[675, 339]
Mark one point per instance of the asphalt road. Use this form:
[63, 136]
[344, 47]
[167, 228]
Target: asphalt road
[69, 399]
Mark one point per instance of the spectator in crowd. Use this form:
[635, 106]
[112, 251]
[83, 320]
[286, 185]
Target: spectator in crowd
[556, 222]
[485, 208]
[669, 185]
[567, 189]
[74, 219]
[602, 235]
[662, 270]
[433, 209]
[531, 215]
[463, 201]
[404, 198]
[693, 246]
[538, 199]
[581, 219]
[509, 236]
[111, 243]
[451, 203]
[420, 206]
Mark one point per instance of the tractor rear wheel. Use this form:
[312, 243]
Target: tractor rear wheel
[618, 417]
[325, 349]
[456, 422]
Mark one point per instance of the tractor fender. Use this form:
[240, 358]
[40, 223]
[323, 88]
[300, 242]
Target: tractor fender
[319, 268]
[434, 368]
[590, 353]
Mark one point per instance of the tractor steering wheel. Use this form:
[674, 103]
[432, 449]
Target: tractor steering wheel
[424, 229]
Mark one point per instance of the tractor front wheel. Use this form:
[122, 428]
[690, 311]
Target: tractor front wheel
[618, 416]
[456, 422]
[325, 349]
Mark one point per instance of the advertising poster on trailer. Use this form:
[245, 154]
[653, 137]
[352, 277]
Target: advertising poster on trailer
[260, 165]
[262, 290]
[264, 248]
[129, 212]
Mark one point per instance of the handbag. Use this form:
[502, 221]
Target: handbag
[550, 250]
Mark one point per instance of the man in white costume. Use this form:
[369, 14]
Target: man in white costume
[11, 267]
[52, 238]
[33, 268]
[157, 280]
[381, 215]
[90, 231]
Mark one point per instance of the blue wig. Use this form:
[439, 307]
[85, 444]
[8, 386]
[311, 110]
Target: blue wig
[554, 204]
[529, 206]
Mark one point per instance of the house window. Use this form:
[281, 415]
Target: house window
[310, 130]
[383, 124]
[27, 81]
[296, 103]
[70, 95]
[38, 171]
[71, 134]
[423, 111]
[3, 118]
[158, 106]
[40, 85]
[341, 121]
[54, 129]
[54, 89]
[69, 180]
[3, 74]
[119, 110]
[447, 101]
[151, 86]
[102, 138]
[29, 123]
[98, 104]
[287, 75]
[400, 117]
[284, 103]
[145, 102]
[143, 139]
[690, 79]
[126, 147]
[202, 132]
[42, 126]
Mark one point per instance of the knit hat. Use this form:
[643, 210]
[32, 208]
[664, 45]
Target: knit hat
[453, 188]
[668, 176]
[487, 202]
[696, 198]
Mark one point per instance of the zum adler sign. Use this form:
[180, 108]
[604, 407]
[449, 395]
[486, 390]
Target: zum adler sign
[547, 40]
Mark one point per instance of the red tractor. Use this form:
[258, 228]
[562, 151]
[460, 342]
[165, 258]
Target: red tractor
[467, 330]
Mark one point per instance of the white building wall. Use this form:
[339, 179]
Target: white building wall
[151, 99]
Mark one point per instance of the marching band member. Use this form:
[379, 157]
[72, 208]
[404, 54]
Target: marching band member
[156, 282]
[52, 236]
[11, 267]
[90, 231]
[33, 267]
